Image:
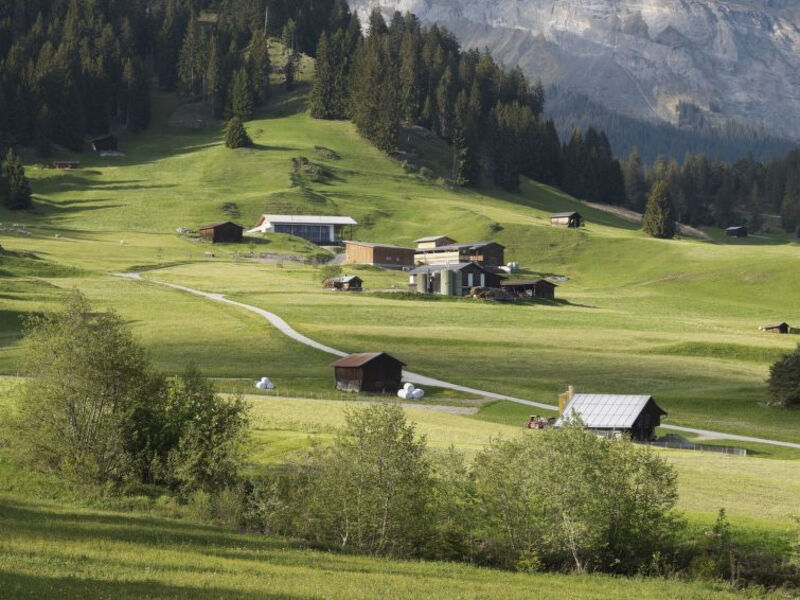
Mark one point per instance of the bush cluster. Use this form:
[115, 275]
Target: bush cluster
[95, 411]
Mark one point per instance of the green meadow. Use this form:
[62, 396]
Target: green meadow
[677, 319]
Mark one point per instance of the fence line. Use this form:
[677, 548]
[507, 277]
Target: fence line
[700, 447]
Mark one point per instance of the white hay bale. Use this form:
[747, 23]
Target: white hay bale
[418, 394]
[409, 387]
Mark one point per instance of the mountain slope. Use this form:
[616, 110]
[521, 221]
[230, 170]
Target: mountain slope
[736, 60]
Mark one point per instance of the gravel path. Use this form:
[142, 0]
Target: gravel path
[423, 380]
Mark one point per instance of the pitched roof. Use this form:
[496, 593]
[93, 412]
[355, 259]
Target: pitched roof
[736, 228]
[346, 278]
[376, 245]
[359, 360]
[310, 219]
[432, 238]
[518, 282]
[606, 411]
[450, 247]
[424, 269]
[776, 326]
[565, 214]
[213, 225]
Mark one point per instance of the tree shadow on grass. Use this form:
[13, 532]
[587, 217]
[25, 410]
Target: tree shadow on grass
[21, 586]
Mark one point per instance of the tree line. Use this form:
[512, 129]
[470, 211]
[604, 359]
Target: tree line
[713, 193]
[403, 74]
[74, 69]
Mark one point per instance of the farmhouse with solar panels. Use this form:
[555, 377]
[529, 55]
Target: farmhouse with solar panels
[611, 415]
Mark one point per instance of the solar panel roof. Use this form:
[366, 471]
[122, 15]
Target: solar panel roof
[605, 411]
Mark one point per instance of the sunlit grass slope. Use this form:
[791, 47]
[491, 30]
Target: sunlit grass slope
[677, 319]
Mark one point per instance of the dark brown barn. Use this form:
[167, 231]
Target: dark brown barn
[572, 219]
[536, 288]
[375, 372]
[490, 254]
[106, 143]
[782, 328]
[348, 283]
[222, 233]
[737, 232]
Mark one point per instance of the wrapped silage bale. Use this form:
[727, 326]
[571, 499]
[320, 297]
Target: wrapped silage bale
[402, 394]
[409, 387]
[418, 394]
[265, 384]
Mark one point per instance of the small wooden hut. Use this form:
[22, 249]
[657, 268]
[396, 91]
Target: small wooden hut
[375, 372]
[781, 328]
[737, 232]
[66, 164]
[571, 219]
[535, 288]
[222, 233]
[105, 143]
[348, 283]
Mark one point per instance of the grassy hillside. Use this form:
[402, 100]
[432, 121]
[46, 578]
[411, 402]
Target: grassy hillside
[51, 551]
[677, 319]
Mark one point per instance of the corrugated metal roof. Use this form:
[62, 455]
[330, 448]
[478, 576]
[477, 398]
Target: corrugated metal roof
[423, 269]
[606, 411]
[310, 220]
[212, 225]
[376, 245]
[450, 247]
[346, 278]
[564, 214]
[432, 238]
[513, 283]
[359, 360]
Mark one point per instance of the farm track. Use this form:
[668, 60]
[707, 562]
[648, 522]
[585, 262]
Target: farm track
[424, 380]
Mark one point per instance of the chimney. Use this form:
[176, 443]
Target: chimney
[565, 399]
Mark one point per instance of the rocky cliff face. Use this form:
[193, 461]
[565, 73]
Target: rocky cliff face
[735, 59]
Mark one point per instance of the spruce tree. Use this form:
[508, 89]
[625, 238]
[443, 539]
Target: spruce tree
[241, 96]
[289, 71]
[137, 96]
[192, 59]
[212, 80]
[259, 66]
[322, 89]
[18, 190]
[236, 135]
[659, 219]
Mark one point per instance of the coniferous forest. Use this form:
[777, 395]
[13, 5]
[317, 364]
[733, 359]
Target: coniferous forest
[74, 69]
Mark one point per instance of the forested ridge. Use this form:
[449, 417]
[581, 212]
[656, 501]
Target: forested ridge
[74, 69]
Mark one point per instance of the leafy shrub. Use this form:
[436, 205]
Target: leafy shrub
[784, 380]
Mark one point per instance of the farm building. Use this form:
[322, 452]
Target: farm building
[375, 372]
[221, 233]
[610, 415]
[66, 164]
[489, 254]
[782, 328]
[573, 219]
[433, 241]
[535, 288]
[320, 230]
[451, 280]
[105, 143]
[737, 232]
[379, 255]
[348, 283]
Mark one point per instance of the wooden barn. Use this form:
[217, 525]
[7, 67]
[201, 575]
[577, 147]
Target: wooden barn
[452, 280]
[489, 254]
[433, 241]
[348, 283]
[737, 232]
[610, 415]
[573, 219]
[782, 328]
[535, 288]
[378, 255]
[375, 372]
[105, 143]
[222, 233]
